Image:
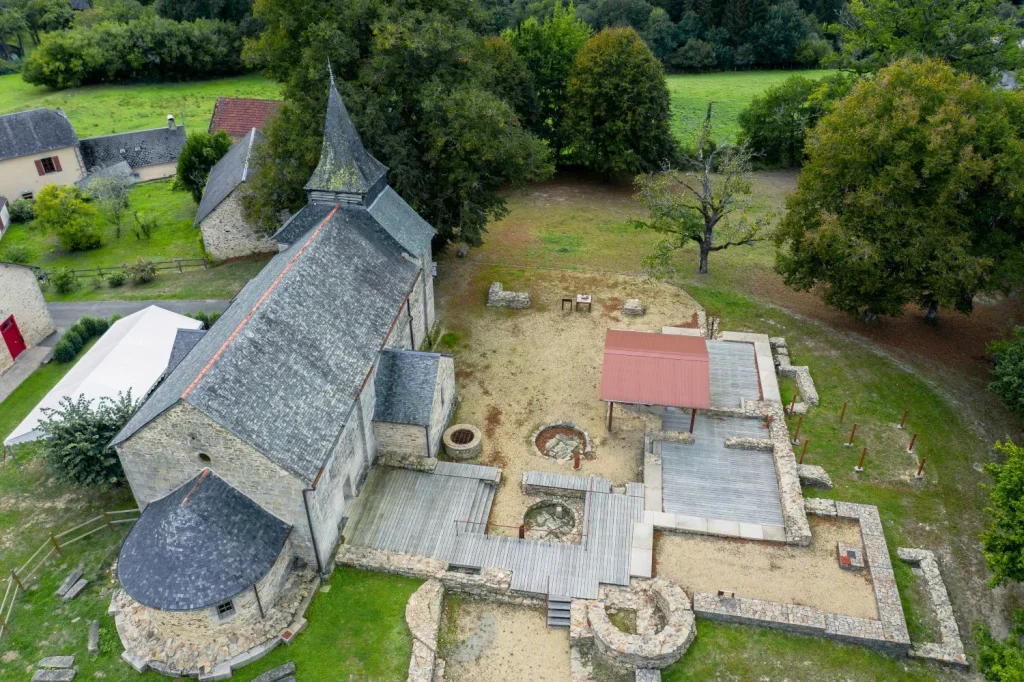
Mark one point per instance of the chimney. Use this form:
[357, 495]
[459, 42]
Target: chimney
[170, 121]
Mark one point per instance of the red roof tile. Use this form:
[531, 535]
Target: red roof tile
[644, 368]
[238, 115]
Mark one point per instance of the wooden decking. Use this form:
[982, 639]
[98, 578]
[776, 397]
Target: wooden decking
[441, 514]
[567, 482]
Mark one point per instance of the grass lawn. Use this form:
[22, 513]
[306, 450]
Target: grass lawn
[174, 236]
[104, 109]
[730, 91]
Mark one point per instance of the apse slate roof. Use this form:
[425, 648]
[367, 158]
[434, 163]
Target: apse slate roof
[184, 341]
[238, 115]
[33, 132]
[282, 367]
[231, 171]
[200, 545]
[140, 148]
[345, 165]
[405, 385]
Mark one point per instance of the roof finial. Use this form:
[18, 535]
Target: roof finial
[331, 72]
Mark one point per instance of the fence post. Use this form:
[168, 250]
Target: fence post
[106, 519]
[178, 261]
[56, 545]
[17, 580]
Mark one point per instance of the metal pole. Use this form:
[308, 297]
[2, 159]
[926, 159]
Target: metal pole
[796, 435]
[522, 531]
[804, 451]
[576, 459]
[609, 423]
[792, 404]
[860, 465]
[258, 602]
[904, 420]
[910, 448]
[693, 419]
[852, 434]
[843, 413]
[920, 469]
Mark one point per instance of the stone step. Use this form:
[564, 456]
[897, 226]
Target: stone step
[75, 589]
[279, 674]
[57, 662]
[57, 675]
[69, 582]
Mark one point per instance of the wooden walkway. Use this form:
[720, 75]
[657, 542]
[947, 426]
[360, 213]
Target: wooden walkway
[437, 515]
[567, 482]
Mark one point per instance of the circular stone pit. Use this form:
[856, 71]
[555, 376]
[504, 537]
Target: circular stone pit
[462, 441]
[554, 520]
[560, 441]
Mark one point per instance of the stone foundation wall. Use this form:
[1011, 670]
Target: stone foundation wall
[814, 476]
[423, 616]
[802, 374]
[497, 297]
[407, 461]
[951, 649]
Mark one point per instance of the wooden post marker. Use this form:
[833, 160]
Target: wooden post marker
[804, 451]
[853, 433]
[920, 469]
[576, 459]
[843, 413]
[56, 545]
[106, 520]
[796, 435]
[522, 531]
[860, 465]
[792, 404]
[910, 448]
[904, 420]
[17, 580]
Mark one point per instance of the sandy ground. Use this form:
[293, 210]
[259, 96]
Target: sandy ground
[809, 576]
[497, 643]
[517, 370]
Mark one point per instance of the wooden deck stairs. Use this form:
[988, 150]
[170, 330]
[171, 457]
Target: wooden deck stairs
[558, 611]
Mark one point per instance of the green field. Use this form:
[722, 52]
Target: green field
[731, 92]
[105, 109]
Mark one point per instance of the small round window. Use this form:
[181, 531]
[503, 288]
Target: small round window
[204, 458]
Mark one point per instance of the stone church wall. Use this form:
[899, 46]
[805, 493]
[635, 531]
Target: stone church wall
[226, 234]
[401, 440]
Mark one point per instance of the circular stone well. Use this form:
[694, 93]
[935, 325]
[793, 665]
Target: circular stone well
[561, 440]
[462, 441]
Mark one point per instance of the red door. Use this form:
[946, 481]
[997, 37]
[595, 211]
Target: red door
[12, 336]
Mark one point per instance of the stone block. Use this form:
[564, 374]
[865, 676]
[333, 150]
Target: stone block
[57, 675]
[660, 519]
[820, 506]
[69, 582]
[57, 662]
[634, 307]
[640, 563]
[75, 590]
[814, 476]
[691, 524]
[219, 672]
[643, 536]
[647, 675]
[94, 637]
[774, 533]
[751, 531]
[727, 528]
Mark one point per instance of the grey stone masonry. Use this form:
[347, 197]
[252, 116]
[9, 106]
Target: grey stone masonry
[951, 649]
[497, 297]
[802, 374]
[69, 581]
[634, 307]
[813, 476]
[277, 674]
[57, 662]
[94, 637]
[59, 675]
[423, 616]
[647, 675]
[75, 590]
[743, 443]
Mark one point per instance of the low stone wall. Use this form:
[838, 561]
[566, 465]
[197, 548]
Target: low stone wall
[423, 616]
[743, 443]
[813, 476]
[658, 649]
[497, 297]
[407, 461]
[802, 375]
[951, 649]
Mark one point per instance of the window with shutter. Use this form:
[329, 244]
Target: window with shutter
[48, 165]
[39, 167]
[56, 163]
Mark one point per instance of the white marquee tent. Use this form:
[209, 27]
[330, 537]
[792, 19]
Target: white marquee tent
[132, 354]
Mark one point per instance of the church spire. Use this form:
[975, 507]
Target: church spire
[346, 172]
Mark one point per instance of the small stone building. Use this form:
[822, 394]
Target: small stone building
[24, 317]
[276, 404]
[226, 233]
[152, 154]
[415, 399]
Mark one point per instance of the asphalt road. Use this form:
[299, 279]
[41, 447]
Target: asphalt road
[66, 314]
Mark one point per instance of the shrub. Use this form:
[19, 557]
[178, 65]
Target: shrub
[72, 338]
[202, 317]
[141, 271]
[17, 253]
[23, 210]
[88, 325]
[77, 436]
[214, 316]
[63, 280]
[200, 153]
[65, 211]
[116, 278]
[147, 48]
[101, 326]
[64, 351]
[1009, 371]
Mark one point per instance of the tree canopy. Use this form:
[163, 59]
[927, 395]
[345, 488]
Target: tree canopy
[77, 437]
[201, 152]
[421, 104]
[1008, 371]
[1003, 540]
[910, 194]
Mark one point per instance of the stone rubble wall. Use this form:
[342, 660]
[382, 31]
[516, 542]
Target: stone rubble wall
[802, 375]
[227, 234]
[743, 443]
[951, 649]
[407, 461]
[497, 297]
[814, 476]
[423, 616]
[634, 307]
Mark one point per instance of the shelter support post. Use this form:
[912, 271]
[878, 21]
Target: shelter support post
[693, 419]
[611, 405]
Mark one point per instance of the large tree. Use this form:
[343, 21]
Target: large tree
[618, 106]
[201, 153]
[910, 194]
[971, 35]
[1003, 540]
[78, 433]
[549, 48]
[405, 70]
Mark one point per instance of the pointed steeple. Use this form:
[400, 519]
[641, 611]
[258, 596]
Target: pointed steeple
[346, 172]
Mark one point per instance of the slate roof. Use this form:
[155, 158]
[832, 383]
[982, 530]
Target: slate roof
[140, 148]
[405, 386]
[402, 222]
[282, 367]
[200, 545]
[228, 173]
[238, 115]
[118, 169]
[33, 132]
[302, 221]
[345, 165]
[184, 341]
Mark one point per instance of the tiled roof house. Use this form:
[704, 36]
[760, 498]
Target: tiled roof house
[238, 115]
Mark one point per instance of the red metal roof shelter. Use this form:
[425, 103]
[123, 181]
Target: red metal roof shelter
[644, 368]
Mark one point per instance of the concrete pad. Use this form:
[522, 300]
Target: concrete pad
[751, 531]
[693, 524]
[640, 561]
[774, 533]
[643, 536]
[719, 527]
[660, 519]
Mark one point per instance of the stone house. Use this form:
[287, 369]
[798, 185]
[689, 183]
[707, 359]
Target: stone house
[278, 399]
[238, 115]
[415, 399]
[24, 317]
[226, 233]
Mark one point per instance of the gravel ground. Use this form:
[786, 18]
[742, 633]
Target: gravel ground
[517, 370]
[497, 643]
[809, 576]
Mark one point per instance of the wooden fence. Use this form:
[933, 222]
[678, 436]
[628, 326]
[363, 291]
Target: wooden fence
[55, 545]
[178, 264]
